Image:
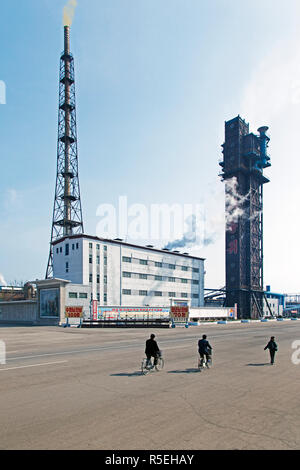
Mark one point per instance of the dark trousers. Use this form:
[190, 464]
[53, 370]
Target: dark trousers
[272, 356]
[155, 358]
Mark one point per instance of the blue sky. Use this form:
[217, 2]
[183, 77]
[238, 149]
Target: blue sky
[155, 81]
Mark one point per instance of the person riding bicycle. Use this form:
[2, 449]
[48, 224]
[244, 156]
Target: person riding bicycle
[152, 350]
[204, 349]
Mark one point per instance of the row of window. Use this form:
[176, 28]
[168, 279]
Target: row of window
[159, 278]
[158, 293]
[97, 260]
[67, 248]
[158, 264]
[75, 295]
[98, 279]
[97, 247]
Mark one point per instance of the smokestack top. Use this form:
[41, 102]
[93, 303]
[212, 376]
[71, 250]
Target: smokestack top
[67, 39]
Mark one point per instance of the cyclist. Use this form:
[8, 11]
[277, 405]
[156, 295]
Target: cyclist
[204, 349]
[152, 350]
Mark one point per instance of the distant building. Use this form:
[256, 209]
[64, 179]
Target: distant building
[125, 274]
[276, 303]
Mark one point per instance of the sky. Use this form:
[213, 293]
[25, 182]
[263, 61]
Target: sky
[155, 82]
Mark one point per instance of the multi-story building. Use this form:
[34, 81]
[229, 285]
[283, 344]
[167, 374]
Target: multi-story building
[124, 274]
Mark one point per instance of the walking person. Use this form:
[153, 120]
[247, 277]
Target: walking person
[205, 350]
[272, 347]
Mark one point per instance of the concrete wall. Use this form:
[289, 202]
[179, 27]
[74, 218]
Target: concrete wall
[24, 311]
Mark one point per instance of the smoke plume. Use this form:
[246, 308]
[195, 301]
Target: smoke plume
[188, 238]
[2, 280]
[69, 12]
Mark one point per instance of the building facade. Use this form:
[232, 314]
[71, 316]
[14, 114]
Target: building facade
[124, 274]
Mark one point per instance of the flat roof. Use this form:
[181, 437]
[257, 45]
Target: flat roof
[119, 242]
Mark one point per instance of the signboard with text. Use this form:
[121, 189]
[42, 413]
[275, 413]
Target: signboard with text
[74, 312]
[179, 313]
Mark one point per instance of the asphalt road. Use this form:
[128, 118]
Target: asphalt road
[82, 389]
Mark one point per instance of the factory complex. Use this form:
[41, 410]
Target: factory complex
[98, 280]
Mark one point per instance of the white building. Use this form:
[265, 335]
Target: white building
[274, 305]
[124, 274]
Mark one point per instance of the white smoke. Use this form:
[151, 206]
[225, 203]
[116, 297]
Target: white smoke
[2, 281]
[69, 12]
[234, 202]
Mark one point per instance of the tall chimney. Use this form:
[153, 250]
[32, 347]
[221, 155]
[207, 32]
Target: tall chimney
[67, 40]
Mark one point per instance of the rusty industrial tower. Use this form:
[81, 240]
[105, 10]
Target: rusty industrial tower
[244, 159]
[67, 212]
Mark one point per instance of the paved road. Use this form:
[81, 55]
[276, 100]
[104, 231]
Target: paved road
[82, 389]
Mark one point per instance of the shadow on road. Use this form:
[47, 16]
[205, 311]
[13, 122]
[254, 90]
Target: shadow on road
[126, 374]
[185, 371]
[259, 365]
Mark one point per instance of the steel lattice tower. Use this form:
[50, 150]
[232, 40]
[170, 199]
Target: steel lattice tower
[67, 212]
[245, 158]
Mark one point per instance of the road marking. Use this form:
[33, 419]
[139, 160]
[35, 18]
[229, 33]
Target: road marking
[34, 365]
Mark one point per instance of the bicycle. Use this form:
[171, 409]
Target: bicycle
[147, 367]
[206, 362]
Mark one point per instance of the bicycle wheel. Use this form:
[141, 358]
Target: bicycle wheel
[145, 369]
[160, 364]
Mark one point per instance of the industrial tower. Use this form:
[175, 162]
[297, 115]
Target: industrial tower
[245, 158]
[67, 212]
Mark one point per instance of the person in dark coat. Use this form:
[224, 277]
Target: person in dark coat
[272, 347]
[152, 350]
[204, 348]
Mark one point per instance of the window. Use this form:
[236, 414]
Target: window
[171, 279]
[143, 292]
[105, 297]
[184, 281]
[83, 295]
[172, 294]
[67, 249]
[172, 266]
[98, 297]
[143, 261]
[67, 267]
[143, 276]
[195, 270]
[105, 248]
[98, 259]
[195, 282]
[126, 259]
[158, 294]
[91, 278]
[105, 261]
[77, 246]
[158, 264]
[195, 296]
[57, 250]
[184, 295]
[184, 268]
[60, 249]
[125, 274]
[98, 278]
[73, 246]
[91, 259]
[73, 295]
[98, 247]
[158, 278]
[126, 291]
[105, 279]
[90, 246]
